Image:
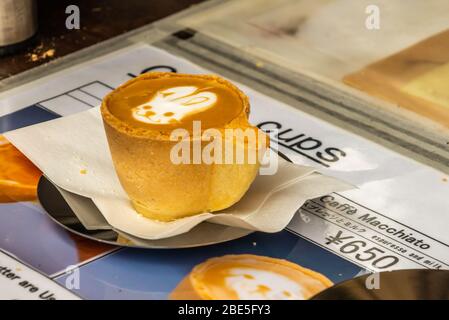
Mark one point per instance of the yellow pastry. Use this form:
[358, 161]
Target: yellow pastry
[246, 276]
[168, 177]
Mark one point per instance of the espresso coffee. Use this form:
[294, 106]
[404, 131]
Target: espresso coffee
[173, 101]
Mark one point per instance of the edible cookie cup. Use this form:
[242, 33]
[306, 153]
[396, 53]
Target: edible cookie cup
[159, 185]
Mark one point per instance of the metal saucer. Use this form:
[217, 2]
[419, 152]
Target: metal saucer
[59, 211]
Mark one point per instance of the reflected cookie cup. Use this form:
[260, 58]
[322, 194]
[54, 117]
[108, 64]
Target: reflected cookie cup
[249, 277]
[160, 125]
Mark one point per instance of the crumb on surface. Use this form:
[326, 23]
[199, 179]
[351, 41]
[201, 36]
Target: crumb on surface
[39, 53]
[83, 171]
[34, 57]
[444, 179]
[48, 54]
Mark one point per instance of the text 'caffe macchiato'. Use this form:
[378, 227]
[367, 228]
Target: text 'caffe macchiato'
[172, 143]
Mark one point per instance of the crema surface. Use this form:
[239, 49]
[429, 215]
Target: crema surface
[172, 102]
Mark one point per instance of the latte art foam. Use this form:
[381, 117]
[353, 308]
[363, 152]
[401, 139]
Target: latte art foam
[173, 104]
[254, 284]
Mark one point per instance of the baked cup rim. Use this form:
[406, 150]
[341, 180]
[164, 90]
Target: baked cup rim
[240, 121]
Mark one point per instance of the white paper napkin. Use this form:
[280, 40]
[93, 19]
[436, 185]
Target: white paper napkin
[73, 153]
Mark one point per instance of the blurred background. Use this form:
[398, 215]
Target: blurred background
[101, 20]
[388, 58]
